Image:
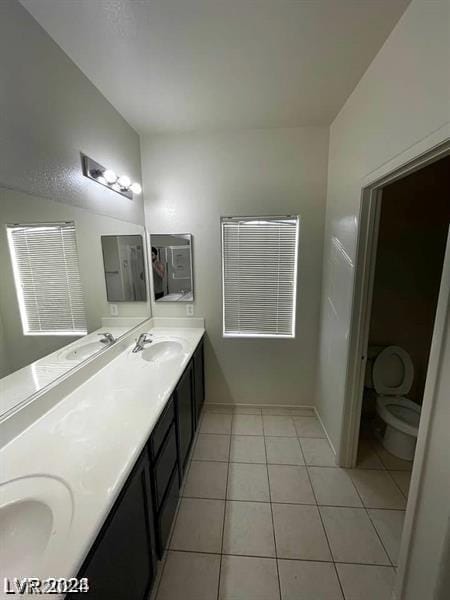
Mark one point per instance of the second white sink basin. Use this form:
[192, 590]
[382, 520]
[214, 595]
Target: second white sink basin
[82, 351]
[162, 351]
[35, 517]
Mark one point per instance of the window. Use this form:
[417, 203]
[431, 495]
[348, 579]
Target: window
[259, 276]
[47, 277]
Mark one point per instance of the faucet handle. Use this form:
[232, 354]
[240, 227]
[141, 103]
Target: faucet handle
[107, 337]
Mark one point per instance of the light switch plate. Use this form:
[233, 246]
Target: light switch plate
[114, 310]
[189, 310]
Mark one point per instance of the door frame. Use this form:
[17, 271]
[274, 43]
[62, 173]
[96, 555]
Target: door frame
[358, 342]
[365, 263]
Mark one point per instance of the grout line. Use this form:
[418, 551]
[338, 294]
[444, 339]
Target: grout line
[294, 503]
[223, 522]
[271, 515]
[371, 522]
[315, 560]
[397, 485]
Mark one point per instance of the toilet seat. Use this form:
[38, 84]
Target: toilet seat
[399, 412]
[393, 372]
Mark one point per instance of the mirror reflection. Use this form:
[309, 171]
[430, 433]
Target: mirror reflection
[171, 260]
[123, 261]
[55, 297]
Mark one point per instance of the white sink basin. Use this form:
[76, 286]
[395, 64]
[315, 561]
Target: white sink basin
[162, 351]
[82, 351]
[35, 517]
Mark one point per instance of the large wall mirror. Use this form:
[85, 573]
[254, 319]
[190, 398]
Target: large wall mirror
[171, 267]
[62, 268]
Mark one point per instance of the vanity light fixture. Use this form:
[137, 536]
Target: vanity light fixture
[121, 184]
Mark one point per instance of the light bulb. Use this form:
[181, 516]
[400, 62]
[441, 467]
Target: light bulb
[124, 182]
[136, 188]
[110, 176]
[102, 180]
[116, 187]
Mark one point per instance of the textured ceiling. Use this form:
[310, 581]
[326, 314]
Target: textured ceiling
[177, 65]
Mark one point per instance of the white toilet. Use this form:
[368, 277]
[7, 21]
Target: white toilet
[392, 377]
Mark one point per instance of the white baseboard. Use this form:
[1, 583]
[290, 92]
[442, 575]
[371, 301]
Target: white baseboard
[325, 430]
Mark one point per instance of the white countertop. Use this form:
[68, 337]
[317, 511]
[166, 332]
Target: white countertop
[91, 440]
[23, 383]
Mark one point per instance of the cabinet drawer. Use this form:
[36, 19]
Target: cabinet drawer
[161, 428]
[163, 467]
[167, 513]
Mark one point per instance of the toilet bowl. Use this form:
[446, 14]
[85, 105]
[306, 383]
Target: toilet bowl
[392, 375]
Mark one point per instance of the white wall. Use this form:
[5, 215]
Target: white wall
[17, 207]
[193, 180]
[49, 113]
[402, 100]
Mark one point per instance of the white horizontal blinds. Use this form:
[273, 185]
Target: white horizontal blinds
[47, 277]
[259, 276]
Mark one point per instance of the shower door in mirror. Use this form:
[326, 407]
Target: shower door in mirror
[171, 260]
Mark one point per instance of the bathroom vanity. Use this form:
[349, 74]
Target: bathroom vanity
[122, 560]
[115, 451]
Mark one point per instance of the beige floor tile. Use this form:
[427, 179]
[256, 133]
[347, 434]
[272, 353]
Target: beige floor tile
[302, 411]
[391, 462]
[284, 451]
[308, 427]
[248, 482]
[290, 484]
[216, 423]
[333, 487]
[199, 524]
[248, 529]
[366, 582]
[248, 449]
[308, 580]
[276, 411]
[402, 479]
[279, 425]
[299, 532]
[317, 452]
[367, 457]
[246, 410]
[352, 536]
[389, 525]
[206, 480]
[247, 425]
[221, 409]
[248, 578]
[212, 447]
[190, 576]
[376, 488]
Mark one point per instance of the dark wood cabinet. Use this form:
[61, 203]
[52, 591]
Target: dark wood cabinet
[184, 396]
[121, 563]
[199, 381]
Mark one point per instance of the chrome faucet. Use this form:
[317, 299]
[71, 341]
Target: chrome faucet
[144, 338]
[108, 338]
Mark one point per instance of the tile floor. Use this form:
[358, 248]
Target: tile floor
[265, 514]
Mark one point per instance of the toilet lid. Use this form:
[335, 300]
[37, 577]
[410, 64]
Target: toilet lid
[393, 372]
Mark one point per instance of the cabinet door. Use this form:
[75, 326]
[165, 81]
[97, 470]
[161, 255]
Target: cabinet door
[121, 564]
[199, 381]
[185, 399]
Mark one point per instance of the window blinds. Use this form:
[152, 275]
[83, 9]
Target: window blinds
[259, 276]
[47, 277]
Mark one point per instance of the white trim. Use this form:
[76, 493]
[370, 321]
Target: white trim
[362, 300]
[319, 418]
[431, 387]
[418, 157]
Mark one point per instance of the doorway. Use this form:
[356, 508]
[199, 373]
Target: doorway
[381, 234]
[413, 216]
